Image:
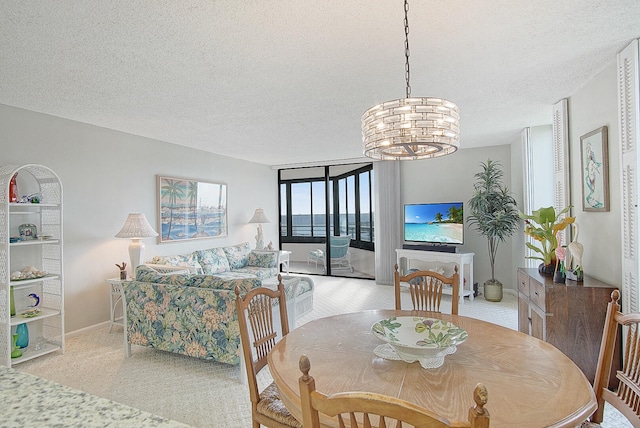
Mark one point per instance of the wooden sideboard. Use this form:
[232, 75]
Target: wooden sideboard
[569, 316]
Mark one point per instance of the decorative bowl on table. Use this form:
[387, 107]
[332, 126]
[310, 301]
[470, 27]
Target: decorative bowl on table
[419, 338]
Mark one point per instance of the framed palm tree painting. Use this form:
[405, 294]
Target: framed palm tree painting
[190, 209]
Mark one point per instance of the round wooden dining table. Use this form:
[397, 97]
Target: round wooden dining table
[530, 382]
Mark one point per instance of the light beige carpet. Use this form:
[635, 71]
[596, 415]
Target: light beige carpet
[205, 394]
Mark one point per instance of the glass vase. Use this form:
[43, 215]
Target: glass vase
[15, 352]
[23, 336]
[13, 304]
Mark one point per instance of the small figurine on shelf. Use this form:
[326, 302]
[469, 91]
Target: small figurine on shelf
[270, 246]
[35, 300]
[123, 272]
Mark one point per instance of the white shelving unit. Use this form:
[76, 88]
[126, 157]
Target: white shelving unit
[46, 330]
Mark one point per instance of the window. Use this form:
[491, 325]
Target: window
[303, 206]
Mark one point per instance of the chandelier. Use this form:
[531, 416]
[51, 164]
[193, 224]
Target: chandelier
[411, 128]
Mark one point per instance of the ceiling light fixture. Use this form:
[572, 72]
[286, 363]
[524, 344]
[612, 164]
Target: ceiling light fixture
[411, 128]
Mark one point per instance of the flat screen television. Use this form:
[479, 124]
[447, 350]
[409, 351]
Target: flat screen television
[434, 223]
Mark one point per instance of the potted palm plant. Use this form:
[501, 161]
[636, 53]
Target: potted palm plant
[494, 215]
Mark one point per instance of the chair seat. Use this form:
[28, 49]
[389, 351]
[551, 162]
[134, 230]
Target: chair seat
[271, 406]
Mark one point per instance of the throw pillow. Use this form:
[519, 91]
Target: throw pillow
[237, 255]
[260, 259]
[187, 260]
[213, 260]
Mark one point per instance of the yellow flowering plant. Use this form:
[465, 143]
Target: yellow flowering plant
[543, 226]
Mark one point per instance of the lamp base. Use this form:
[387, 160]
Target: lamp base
[136, 254]
[259, 238]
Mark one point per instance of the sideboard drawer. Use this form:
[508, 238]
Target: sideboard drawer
[523, 283]
[537, 293]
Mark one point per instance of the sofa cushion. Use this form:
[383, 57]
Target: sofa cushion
[260, 272]
[219, 283]
[187, 260]
[263, 259]
[235, 274]
[147, 274]
[213, 260]
[237, 255]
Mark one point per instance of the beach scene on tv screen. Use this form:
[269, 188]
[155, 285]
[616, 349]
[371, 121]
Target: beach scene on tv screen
[438, 223]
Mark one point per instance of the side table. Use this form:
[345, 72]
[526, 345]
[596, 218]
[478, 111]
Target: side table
[115, 297]
[283, 260]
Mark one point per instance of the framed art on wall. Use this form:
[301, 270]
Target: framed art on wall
[190, 209]
[594, 154]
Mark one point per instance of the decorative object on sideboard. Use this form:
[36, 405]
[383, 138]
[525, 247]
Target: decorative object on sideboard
[259, 217]
[543, 226]
[573, 266]
[136, 227]
[123, 271]
[190, 209]
[559, 274]
[411, 128]
[595, 170]
[494, 215]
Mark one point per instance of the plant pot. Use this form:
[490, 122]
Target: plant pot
[547, 269]
[493, 290]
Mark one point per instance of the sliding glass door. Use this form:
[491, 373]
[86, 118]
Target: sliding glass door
[319, 208]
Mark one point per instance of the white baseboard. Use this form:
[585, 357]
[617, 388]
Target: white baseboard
[86, 329]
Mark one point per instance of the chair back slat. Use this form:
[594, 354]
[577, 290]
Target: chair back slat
[425, 289]
[370, 410]
[258, 331]
[627, 397]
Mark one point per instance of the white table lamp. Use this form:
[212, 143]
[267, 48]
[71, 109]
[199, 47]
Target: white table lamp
[135, 228]
[259, 217]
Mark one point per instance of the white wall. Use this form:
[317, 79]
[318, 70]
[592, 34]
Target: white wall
[592, 106]
[106, 175]
[450, 179]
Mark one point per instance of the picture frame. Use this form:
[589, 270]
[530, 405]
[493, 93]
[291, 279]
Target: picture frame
[594, 154]
[189, 209]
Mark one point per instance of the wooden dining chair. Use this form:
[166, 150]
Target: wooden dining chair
[258, 335]
[627, 397]
[366, 409]
[426, 288]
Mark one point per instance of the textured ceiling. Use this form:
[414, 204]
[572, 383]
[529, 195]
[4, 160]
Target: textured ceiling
[285, 82]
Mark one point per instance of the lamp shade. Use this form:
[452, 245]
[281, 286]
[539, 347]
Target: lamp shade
[136, 226]
[259, 217]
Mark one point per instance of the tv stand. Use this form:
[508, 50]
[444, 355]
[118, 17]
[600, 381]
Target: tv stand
[441, 248]
[461, 259]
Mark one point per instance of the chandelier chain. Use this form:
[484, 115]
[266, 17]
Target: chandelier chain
[407, 73]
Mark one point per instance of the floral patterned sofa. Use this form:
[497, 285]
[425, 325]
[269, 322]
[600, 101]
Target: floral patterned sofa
[236, 261]
[194, 313]
[187, 314]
